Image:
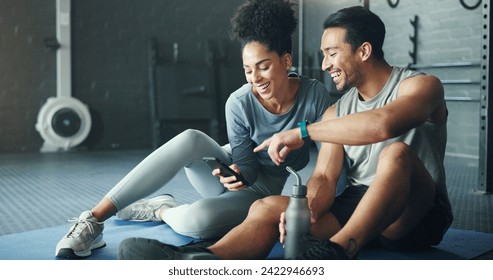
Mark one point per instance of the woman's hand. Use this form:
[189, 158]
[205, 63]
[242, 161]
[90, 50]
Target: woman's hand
[231, 182]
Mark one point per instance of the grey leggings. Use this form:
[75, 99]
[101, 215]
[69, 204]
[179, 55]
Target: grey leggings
[219, 210]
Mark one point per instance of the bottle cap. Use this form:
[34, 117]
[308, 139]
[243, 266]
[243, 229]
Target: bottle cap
[298, 190]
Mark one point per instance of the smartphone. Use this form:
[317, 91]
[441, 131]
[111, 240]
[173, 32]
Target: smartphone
[226, 171]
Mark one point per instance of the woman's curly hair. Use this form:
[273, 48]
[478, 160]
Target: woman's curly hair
[270, 22]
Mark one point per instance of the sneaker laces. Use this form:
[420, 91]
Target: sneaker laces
[80, 225]
[143, 213]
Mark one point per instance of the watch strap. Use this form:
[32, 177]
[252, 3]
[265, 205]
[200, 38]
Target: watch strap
[304, 132]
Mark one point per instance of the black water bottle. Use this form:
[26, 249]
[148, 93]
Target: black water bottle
[297, 219]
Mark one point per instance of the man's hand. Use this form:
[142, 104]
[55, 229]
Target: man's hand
[280, 144]
[282, 225]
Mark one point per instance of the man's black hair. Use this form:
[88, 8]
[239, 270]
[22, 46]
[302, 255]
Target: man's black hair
[361, 26]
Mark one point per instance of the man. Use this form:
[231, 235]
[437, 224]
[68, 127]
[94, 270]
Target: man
[391, 127]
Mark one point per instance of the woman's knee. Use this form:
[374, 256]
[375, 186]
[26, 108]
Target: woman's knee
[203, 220]
[192, 135]
[188, 137]
[207, 218]
[194, 140]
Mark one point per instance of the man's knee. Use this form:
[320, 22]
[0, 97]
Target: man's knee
[267, 208]
[395, 152]
[260, 206]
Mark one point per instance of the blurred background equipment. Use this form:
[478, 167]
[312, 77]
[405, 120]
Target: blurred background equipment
[63, 121]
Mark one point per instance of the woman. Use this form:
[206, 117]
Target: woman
[271, 101]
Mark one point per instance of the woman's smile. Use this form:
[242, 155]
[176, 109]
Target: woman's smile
[262, 88]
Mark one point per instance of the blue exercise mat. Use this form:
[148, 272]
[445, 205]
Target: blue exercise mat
[40, 244]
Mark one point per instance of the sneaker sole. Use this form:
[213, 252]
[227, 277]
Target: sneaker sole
[70, 254]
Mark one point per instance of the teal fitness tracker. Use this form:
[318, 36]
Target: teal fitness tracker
[304, 132]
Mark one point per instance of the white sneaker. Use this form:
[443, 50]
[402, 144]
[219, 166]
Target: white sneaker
[85, 235]
[145, 210]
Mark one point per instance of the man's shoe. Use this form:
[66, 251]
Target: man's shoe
[85, 235]
[144, 210]
[321, 250]
[149, 249]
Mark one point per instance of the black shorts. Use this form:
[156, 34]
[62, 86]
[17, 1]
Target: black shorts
[346, 202]
[428, 233]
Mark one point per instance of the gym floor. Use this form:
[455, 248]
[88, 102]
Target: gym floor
[44, 190]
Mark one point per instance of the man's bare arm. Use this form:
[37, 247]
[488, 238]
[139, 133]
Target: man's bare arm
[420, 99]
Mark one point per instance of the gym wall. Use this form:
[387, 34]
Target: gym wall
[110, 59]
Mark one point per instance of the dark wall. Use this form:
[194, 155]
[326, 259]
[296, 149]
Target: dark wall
[27, 70]
[110, 63]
